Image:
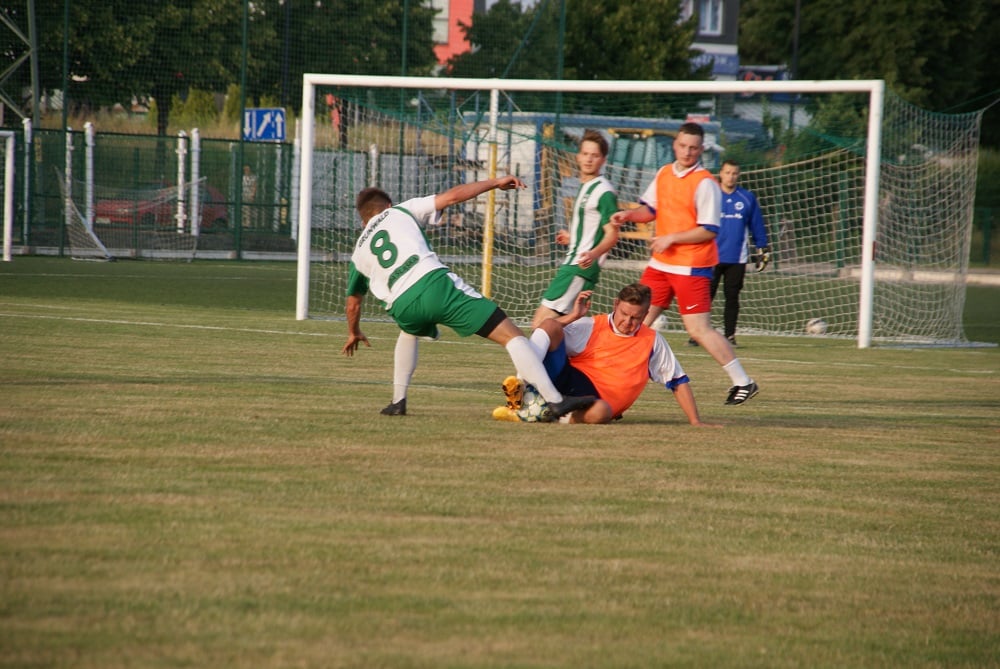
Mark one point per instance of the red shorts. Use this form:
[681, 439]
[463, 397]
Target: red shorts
[694, 295]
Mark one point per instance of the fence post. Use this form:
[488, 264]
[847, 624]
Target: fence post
[181, 158]
[195, 186]
[8, 192]
[88, 133]
[987, 229]
[28, 153]
[68, 197]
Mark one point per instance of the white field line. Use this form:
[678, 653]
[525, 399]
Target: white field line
[470, 341]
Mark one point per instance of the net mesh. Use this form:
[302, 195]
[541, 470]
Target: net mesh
[803, 158]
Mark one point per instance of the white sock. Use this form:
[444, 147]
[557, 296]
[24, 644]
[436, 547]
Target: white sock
[404, 364]
[540, 342]
[736, 373]
[530, 368]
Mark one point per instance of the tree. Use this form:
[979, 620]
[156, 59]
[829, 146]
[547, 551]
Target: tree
[610, 39]
[646, 41]
[984, 44]
[602, 40]
[348, 37]
[120, 48]
[933, 54]
[510, 42]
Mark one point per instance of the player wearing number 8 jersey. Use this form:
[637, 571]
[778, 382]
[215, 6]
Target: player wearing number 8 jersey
[393, 260]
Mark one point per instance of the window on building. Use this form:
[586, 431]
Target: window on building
[710, 17]
[440, 21]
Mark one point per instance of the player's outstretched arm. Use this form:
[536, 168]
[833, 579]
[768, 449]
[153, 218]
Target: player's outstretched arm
[640, 214]
[464, 192]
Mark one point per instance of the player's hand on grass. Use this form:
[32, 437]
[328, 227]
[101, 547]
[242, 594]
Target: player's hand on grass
[353, 341]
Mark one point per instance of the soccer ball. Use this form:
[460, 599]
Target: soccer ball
[534, 409]
[816, 326]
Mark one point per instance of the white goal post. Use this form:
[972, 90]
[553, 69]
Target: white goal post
[477, 157]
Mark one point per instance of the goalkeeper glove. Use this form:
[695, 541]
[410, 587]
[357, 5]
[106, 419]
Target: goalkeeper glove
[761, 258]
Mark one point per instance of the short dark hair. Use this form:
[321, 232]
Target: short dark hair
[596, 138]
[636, 293]
[729, 161]
[691, 128]
[371, 201]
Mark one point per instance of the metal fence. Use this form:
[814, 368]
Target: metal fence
[246, 190]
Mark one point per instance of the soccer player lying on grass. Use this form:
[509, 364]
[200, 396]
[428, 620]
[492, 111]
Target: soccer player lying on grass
[393, 261]
[612, 356]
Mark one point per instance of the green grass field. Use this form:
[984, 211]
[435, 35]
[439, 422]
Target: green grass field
[191, 478]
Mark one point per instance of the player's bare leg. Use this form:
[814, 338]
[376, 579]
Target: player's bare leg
[699, 328]
[598, 413]
[541, 314]
[529, 367]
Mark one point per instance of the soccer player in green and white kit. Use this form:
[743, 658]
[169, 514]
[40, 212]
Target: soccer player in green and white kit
[590, 236]
[394, 262]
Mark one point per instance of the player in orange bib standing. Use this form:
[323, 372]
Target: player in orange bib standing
[685, 201]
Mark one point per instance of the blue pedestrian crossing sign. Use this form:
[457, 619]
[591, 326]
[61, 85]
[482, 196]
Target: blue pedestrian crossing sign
[264, 124]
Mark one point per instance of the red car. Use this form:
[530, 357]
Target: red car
[157, 206]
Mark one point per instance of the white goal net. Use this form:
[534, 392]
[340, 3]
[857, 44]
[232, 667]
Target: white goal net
[108, 223]
[868, 201]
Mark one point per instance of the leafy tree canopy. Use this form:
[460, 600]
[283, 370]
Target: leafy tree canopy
[933, 54]
[121, 48]
[596, 39]
[602, 39]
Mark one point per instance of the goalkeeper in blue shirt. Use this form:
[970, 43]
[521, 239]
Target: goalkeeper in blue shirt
[741, 221]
